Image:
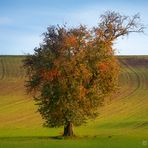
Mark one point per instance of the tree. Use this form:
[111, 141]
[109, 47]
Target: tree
[75, 69]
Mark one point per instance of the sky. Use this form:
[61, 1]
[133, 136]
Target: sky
[22, 22]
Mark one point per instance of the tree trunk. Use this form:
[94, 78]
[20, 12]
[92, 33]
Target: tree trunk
[68, 129]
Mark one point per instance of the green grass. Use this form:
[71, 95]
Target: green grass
[95, 142]
[122, 123]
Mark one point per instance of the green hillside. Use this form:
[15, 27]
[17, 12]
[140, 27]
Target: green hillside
[124, 114]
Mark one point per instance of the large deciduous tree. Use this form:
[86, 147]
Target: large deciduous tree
[74, 69]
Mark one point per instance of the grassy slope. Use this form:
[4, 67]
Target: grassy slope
[124, 118]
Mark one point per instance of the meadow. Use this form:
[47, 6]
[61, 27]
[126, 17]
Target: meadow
[122, 122]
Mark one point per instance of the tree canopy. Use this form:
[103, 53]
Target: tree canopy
[74, 69]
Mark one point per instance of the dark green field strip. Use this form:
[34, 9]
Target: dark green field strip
[2, 69]
[11, 67]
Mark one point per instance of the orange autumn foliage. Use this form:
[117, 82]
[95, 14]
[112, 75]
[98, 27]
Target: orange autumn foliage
[83, 91]
[103, 67]
[71, 41]
[49, 75]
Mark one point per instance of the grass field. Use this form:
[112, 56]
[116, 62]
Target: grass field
[122, 123]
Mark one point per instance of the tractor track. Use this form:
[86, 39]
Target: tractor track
[138, 79]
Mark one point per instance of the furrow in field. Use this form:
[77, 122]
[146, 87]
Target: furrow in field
[133, 84]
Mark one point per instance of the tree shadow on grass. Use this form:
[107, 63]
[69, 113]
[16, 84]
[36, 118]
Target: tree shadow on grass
[27, 138]
[59, 137]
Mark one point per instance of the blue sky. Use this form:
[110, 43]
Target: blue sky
[23, 21]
